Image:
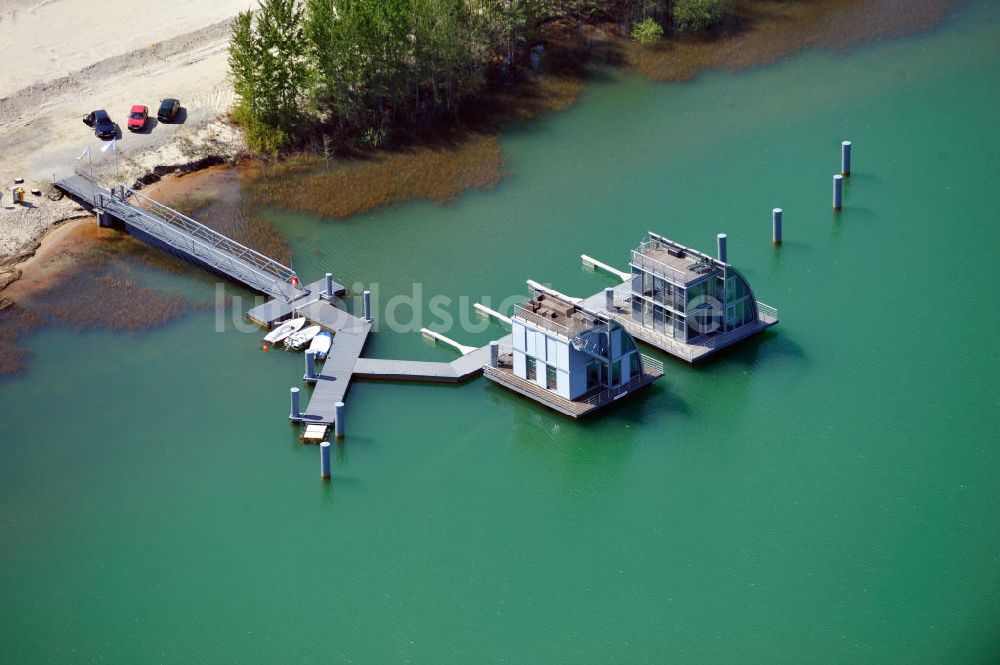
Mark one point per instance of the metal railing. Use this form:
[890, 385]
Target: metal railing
[578, 405]
[644, 262]
[687, 350]
[611, 394]
[575, 328]
[200, 250]
[213, 238]
[661, 339]
[653, 364]
[767, 310]
[193, 239]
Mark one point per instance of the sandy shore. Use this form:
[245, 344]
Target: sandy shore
[75, 63]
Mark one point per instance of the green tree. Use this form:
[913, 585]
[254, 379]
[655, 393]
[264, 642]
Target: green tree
[647, 32]
[270, 70]
[694, 15]
[244, 61]
[359, 66]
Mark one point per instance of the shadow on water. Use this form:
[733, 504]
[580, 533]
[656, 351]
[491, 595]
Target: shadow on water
[757, 351]
[605, 439]
[863, 177]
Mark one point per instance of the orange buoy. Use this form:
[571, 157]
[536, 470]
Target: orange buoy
[295, 280]
[266, 347]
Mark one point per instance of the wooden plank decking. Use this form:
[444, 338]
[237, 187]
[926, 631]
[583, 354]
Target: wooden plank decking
[576, 408]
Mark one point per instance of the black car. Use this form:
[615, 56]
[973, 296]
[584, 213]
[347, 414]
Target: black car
[169, 108]
[103, 127]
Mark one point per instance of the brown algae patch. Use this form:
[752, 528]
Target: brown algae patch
[764, 31]
[83, 283]
[214, 198]
[439, 174]
[435, 162]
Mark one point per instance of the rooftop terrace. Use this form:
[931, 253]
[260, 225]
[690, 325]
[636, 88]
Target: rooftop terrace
[556, 315]
[679, 264]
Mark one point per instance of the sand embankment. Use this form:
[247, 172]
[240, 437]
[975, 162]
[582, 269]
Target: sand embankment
[64, 58]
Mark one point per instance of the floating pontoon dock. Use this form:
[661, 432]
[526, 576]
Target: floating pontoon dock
[277, 310]
[502, 360]
[465, 367]
[334, 378]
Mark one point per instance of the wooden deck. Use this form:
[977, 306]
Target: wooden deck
[582, 406]
[691, 353]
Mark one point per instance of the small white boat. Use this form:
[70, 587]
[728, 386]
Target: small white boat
[301, 338]
[284, 330]
[321, 345]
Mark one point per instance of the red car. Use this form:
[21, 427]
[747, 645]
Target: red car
[137, 118]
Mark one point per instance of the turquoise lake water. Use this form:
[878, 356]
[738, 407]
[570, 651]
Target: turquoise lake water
[825, 493]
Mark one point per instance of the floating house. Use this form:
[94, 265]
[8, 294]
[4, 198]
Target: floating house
[683, 301]
[568, 358]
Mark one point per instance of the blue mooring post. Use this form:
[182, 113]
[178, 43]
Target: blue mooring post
[838, 191]
[329, 286]
[845, 158]
[295, 414]
[310, 366]
[368, 306]
[338, 420]
[776, 226]
[723, 254]
[494, 353]
[324, 460]
[609, 298]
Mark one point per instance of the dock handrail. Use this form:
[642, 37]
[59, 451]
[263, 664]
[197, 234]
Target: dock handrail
[214, 238]
[190, 237]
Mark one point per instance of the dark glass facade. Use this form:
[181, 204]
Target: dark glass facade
[716, 303]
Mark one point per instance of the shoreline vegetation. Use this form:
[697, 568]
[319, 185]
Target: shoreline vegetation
[441, 156]
[436, 159]
[333, 77]
[362, 73]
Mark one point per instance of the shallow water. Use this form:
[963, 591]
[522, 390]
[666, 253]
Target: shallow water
[824, 493]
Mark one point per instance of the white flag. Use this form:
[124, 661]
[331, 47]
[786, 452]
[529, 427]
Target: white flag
[85, 153]
[109, 146]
